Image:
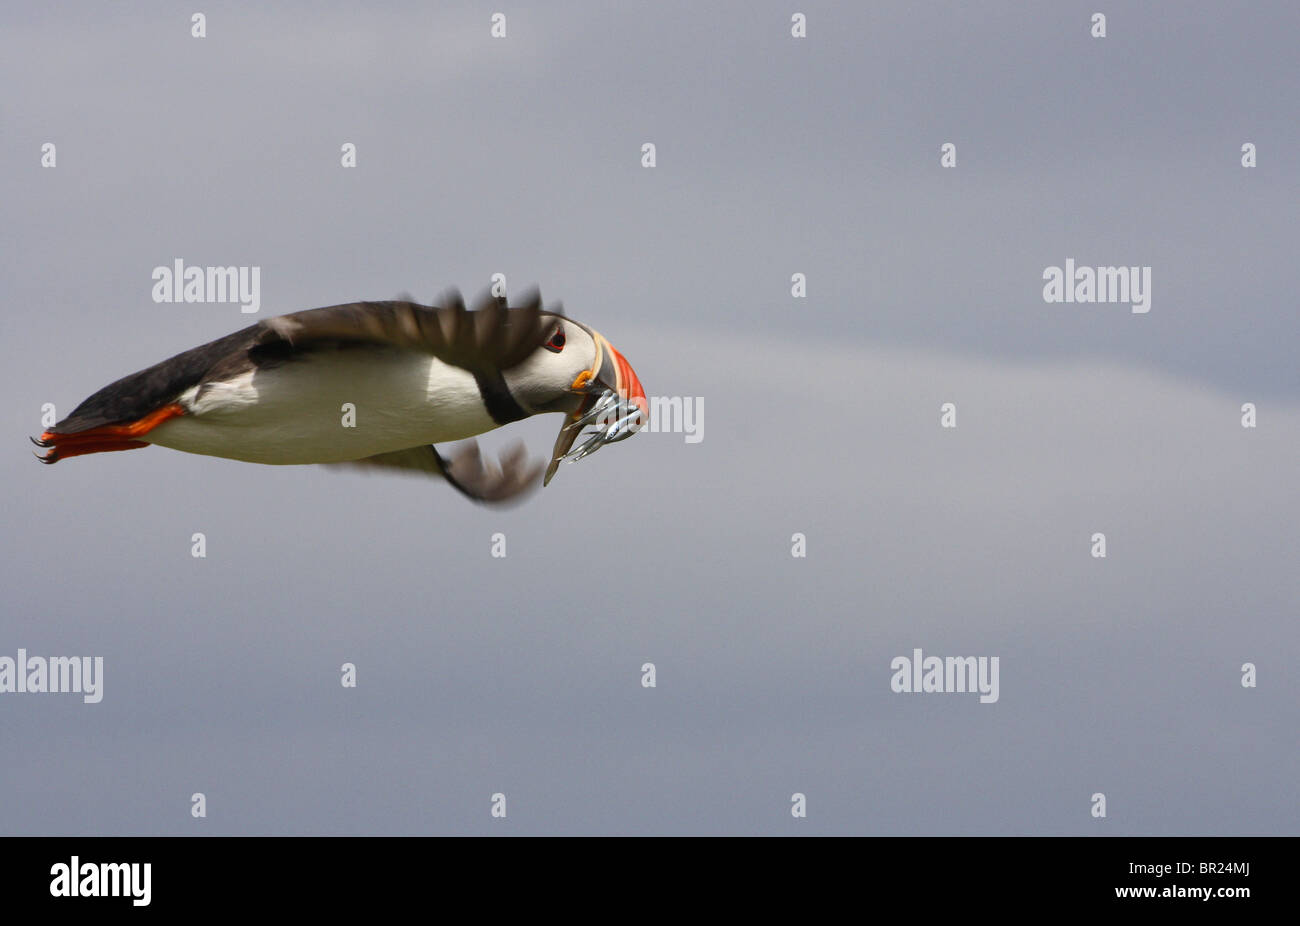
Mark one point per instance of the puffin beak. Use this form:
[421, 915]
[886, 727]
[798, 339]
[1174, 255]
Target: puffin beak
[613, 405]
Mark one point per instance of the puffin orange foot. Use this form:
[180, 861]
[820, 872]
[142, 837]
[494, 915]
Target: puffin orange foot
[105, 437]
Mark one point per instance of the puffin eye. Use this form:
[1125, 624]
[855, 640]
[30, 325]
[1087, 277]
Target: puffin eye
[556, 343]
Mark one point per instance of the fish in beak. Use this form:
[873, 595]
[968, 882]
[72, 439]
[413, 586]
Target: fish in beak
[613, 407]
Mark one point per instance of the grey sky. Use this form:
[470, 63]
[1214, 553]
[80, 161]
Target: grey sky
[775, 155]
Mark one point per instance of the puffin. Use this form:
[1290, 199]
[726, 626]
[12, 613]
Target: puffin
[375, 385]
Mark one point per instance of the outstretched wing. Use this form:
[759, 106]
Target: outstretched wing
[491, 338]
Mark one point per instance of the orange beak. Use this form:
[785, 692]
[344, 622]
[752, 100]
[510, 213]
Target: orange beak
[627, 384]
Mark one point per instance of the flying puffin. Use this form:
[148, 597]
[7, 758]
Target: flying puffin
[412, 375]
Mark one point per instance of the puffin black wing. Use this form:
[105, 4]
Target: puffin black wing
[490, 338]
[467, 472]
[486, 341]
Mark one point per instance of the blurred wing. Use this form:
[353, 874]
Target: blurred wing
[468, 473]
[490, 338]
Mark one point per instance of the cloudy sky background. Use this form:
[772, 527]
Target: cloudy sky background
[522, 675]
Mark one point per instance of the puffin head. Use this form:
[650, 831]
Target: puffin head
[575, 370]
